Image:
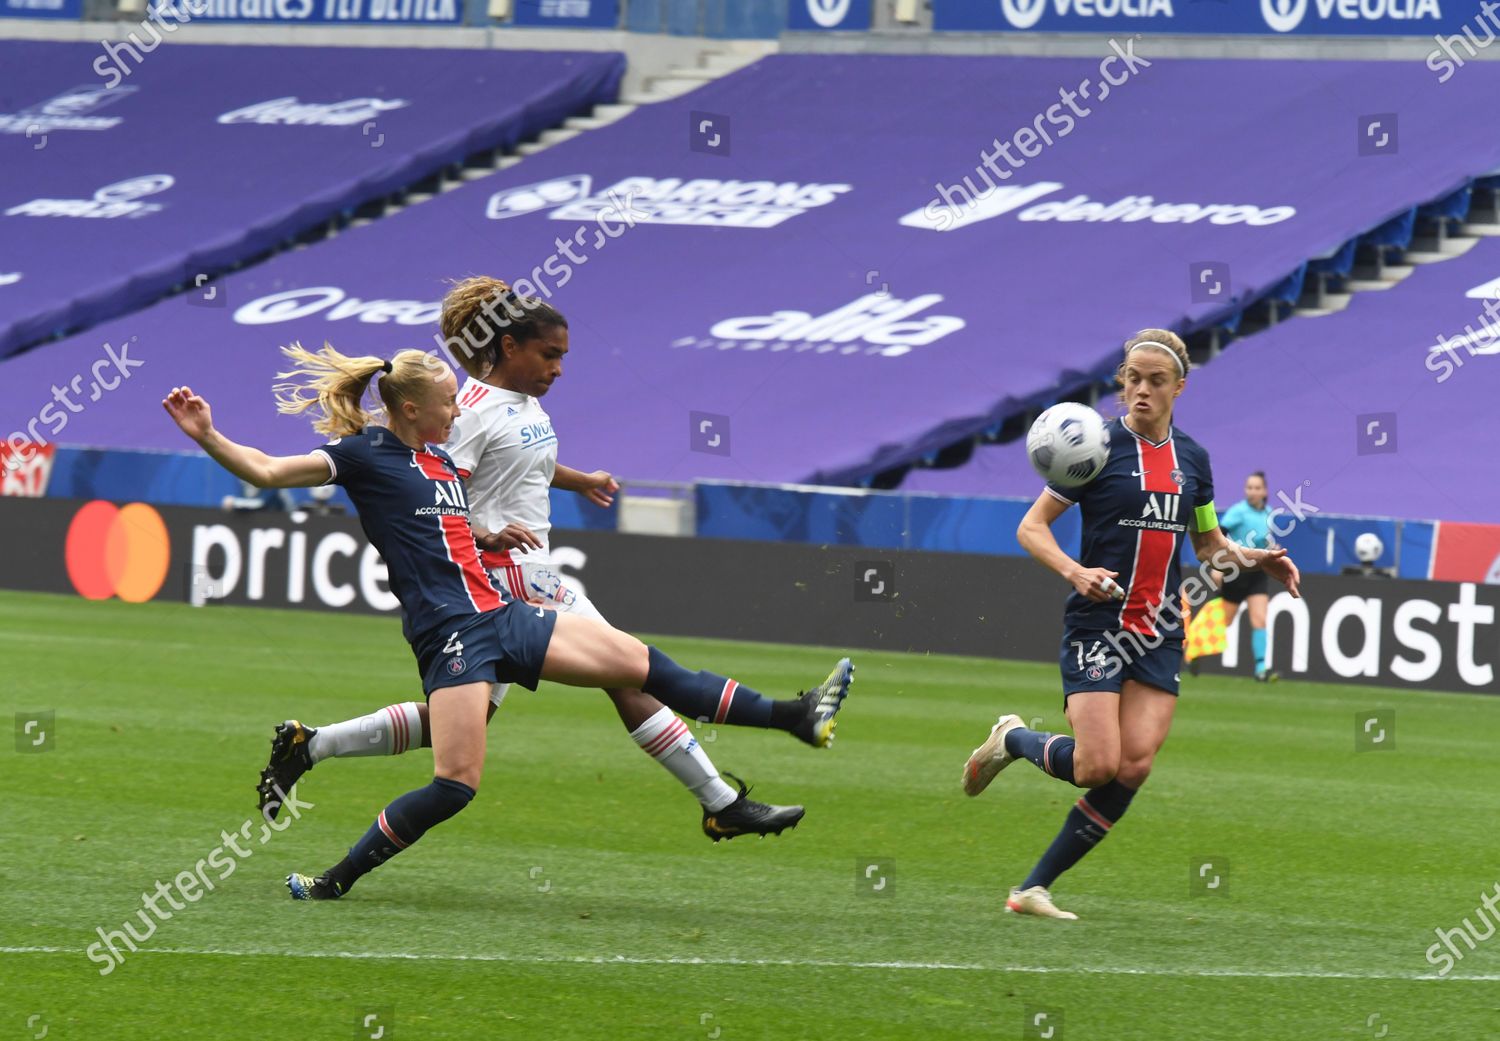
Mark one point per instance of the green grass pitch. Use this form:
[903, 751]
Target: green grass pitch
[576, 898]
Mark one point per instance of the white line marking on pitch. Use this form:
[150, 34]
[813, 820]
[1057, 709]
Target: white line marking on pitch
[920, 966]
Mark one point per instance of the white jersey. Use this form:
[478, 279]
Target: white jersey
[504, 447]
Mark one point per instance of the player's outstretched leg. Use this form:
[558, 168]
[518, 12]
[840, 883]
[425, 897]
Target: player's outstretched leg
[296, 749]
[721, 700]
[745, 816]
[457, 717]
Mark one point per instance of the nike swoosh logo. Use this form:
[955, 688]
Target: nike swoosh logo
[1139, 473]
[541, 613]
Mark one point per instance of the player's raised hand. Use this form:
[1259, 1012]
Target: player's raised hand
[601, 488]
[1098, 584]
[189, 411]
[1283, 569]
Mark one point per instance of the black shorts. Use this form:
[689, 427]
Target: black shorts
[1096, 661]
[507, 645]
[1246, 585]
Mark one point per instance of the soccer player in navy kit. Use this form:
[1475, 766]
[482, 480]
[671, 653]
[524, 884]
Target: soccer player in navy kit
[413, 508]
[1122, 639]
[505, 449]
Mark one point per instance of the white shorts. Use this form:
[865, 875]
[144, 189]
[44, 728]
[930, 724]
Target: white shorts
[535, 582]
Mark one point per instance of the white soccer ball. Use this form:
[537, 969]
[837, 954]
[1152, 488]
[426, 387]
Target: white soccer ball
[1068, 444]
[1368, 547]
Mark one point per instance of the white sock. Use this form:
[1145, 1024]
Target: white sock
[389, 731]
[666, 739]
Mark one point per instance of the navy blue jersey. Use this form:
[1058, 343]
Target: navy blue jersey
[414, 512]
[1136, 514]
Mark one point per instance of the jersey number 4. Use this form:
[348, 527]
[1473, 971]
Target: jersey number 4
[453, 646]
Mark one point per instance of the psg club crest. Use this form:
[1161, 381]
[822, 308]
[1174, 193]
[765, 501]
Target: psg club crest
[1178, 478]
[455, 666]
[1095, 673]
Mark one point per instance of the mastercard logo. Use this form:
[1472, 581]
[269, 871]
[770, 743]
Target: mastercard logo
[119, 551]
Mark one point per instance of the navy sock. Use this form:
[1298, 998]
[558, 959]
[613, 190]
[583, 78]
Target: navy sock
[1049, 753]
[1088, 822]
[399, 825]
[715, 699]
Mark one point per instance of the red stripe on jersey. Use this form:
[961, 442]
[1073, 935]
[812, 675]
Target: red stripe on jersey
[473, 394]
[462, 551]
[493, 560]
[1154, 549]
[431, 466]
[458, 537]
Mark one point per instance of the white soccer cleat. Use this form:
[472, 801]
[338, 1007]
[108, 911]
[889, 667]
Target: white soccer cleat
[989, 758]
[1037, 901]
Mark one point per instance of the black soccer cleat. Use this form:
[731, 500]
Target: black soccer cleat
[290, 759]
[823, 703]
[304, 887]
[745, 816]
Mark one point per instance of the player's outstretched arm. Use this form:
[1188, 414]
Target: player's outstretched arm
[192, 415]
[512, 536]
[1214, 547]
[598, 487]
[1035, 536]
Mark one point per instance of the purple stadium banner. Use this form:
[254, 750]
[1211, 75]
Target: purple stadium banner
[120, 180]
[1382, 409]
[766, 288]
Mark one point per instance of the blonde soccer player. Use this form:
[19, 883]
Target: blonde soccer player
[466, 638]
[1122, 627]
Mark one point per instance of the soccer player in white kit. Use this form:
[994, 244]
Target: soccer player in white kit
[505, 448]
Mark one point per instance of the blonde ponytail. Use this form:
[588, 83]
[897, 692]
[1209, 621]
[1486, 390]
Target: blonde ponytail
[334, 387]
[331, 386]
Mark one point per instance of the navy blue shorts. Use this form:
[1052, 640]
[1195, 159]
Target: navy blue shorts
[506, 645]
[1093, 660]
